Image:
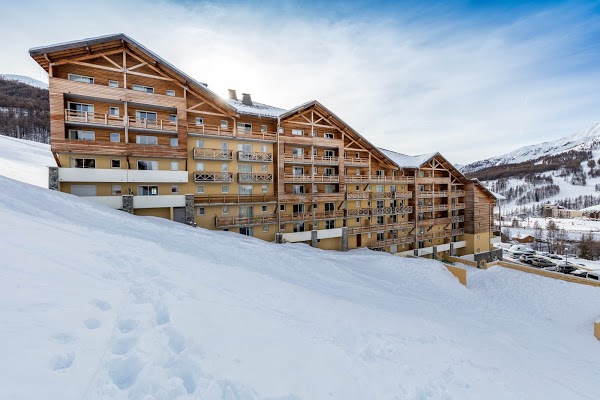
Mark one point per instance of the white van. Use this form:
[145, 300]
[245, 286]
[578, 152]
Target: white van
[518, 250]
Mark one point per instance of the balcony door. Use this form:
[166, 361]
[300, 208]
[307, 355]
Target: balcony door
[298, 171]
[246, 211]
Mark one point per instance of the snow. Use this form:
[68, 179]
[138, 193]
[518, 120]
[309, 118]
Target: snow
[25, 161]
[583, 140]
[25, 79]
[259, 109]
[99, 304]
[406, 161]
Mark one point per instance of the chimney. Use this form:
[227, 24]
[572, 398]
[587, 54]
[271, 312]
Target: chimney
[232, 94]
[246, 99]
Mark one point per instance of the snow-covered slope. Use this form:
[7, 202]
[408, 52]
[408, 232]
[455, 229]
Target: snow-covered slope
[25, 79]
[587, 139]
[99, 304]
[25, 160]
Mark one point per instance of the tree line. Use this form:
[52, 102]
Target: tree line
[24, 111]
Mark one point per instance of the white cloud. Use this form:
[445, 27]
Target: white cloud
[441, 84]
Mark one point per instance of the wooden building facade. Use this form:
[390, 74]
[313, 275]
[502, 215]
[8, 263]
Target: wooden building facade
[133, 132]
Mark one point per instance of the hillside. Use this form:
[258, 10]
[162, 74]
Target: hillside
[24, 109]
[100, 304]
[25, 79]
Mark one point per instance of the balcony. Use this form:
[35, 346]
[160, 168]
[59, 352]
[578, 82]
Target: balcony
[120, 175]
[152, 124]
[213, 177]
[368, 179]
[310, 216]
[434, 221]
[249, 156]
[391, 210]
[356, 162]
[358, 195]
[458, 218]
[390, 242]
[358, 212]
[249, 177]
[392, 195]
[457, 232]
[431, 208]
[297, 159]
[326, 160]
[235, 199]
[201, 153]
[85, 117]
[457, 193]
[312, 178]
[353, 230]
[229, 222]
[432, 193]
[226, 131]
[434, 179]
[457, 206]
[403, 195]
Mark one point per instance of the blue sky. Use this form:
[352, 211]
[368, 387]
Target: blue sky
[469, 79]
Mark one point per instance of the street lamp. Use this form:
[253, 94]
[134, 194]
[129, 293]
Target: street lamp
[566, 257]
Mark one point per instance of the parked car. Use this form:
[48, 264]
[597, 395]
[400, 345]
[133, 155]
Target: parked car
[528, 258]
[579, 273]
[543, 262]
[594, 275]
[555, 257]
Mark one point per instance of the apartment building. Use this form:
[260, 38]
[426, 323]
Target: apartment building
[131, 131]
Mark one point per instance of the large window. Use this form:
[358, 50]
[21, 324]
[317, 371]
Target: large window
[329, 188]
[147, 140]
[329, 206]
[329, 223]
[82, 135]
[147, 190]
[83, 163]
[244, 127]
[81, 78]
[145, 115]
[147, 165]
[245, 189]
[81, 107]
[142, 88]
[298, 132]
[297, 189]
[248, 231]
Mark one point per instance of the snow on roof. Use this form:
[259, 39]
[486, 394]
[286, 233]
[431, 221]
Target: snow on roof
[498, 196]
[262, 110]
[407, 161]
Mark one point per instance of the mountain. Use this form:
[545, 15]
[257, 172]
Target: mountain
[26, 80]
[24, 110]
[587, 139]
[99, 304]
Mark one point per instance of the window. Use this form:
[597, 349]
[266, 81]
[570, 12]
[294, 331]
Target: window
[173, 118]
[298, 171]
[358, 204]
[82, 135]
[263, 128]
[145, 115]
[115, 163]
[200, 143]
[224, 188]
[297, 189]
[265, 208]
[282, 207]
[146, 140]
[83, 190]
[81, 108]
[329, 153]
[264, 188]
[299, 227]
[247, 231]
[225, 210]
[80, 78]
[264, 168]
[263, 148]
[379, 188]
[380, 236]
[170, 93]
[174, 165]
[380, 203]
[199, 166]
[358, 220]
[116, 190]
[201, 211]
[142, 88]
[282, 227]
[380, 172]
[298, 132]
[83, 163]
[314, 134]
[298, 208]
[328, 136]
[315, 152]
[114, 111]
[225, 168]
[329, 188]
[244, 127]
[329, 171]
[245, 189]
[115, 137]
[174, 189]
[200, 189]
[174, 142]
[146, 165]
[357, 187]
[113, 83]
[421, 174]
[147, 190]
[329, 207]
[379, 220]
[297, 151]
[200, 121]
[281, 130]
[224, 124]
[329, 223]
[265, 228]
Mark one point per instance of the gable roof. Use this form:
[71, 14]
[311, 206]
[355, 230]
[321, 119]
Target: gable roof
[257, 109]
[43, 55]
[406, 161]
[488, 191]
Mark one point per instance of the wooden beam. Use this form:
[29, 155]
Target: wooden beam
[206, 112]
[111, 61]
[137, 66]
[150, 76]
[88, 57]
[196, 106]
[84, 64]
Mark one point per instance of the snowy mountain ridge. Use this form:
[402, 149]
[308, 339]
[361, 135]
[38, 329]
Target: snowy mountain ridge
[587, 139]
[25, 79]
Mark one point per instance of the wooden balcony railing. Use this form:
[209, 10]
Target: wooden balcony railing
[249, 177]
[309, 216]
[374, 178]
[201, 153]
[297, 158]
[312, 178]
[457, 206]
[228, 222]
[391, 210]
[356, 162]
[154, 124]
[217, 130]
[208, 177]
[432, 193]
[353, 230]
[457, 232]
[458, 218]
[234, 199]
[392, 241]
[94, 118]
[403, 195]
[434, 221]
[250, 156]
[333, 160]
[382, 195]
[357, 195]
[457, 193]
[358, 212]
